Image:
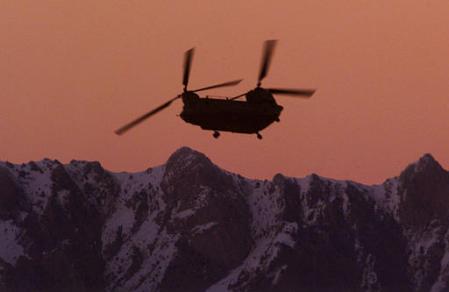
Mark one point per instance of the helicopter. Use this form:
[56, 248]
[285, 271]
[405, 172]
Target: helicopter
[257, 112]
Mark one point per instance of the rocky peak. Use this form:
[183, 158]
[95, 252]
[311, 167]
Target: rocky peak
[191, 182]
[424, 168]
[88, 166]
[185, 159]
[427, 164]
[424, 192]
[189, 172]
[47, 163]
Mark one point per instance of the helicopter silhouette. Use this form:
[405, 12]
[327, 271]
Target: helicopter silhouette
[257, 112]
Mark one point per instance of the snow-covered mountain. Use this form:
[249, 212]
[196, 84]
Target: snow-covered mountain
[190, 226]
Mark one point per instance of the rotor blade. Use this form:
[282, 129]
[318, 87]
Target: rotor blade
[240, 95]
[230, 83]
[137, 121]
[188, 56]
[266, 59]
[293, 92]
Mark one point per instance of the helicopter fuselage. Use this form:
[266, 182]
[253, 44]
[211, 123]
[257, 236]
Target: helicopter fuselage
[251, 116]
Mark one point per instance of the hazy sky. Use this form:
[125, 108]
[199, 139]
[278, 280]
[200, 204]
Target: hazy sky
[73, 71]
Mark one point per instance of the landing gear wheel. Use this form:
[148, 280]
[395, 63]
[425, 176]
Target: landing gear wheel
[259, 136]
[216, 134]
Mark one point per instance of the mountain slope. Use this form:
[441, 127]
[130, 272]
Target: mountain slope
[190, 226]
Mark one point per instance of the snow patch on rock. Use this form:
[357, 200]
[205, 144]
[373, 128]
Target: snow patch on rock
[10, 249]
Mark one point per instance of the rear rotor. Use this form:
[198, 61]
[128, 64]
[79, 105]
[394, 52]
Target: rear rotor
[267, 55]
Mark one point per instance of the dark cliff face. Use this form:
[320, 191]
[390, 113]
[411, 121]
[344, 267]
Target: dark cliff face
[424, 214]
[192, 184]
[190, 226]
[424, 192]
[10, 195]
[342, 242]
[62, 242]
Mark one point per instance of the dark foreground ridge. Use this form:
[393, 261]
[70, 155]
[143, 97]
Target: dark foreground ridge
[190, 226]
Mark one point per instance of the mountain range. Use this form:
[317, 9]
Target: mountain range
[189, 225]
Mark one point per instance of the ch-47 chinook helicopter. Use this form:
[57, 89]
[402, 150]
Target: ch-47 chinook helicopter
[229, 115]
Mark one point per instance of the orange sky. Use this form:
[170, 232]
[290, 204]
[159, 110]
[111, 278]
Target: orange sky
[73, 71]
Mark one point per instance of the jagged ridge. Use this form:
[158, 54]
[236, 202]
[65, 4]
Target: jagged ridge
[190, 226]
